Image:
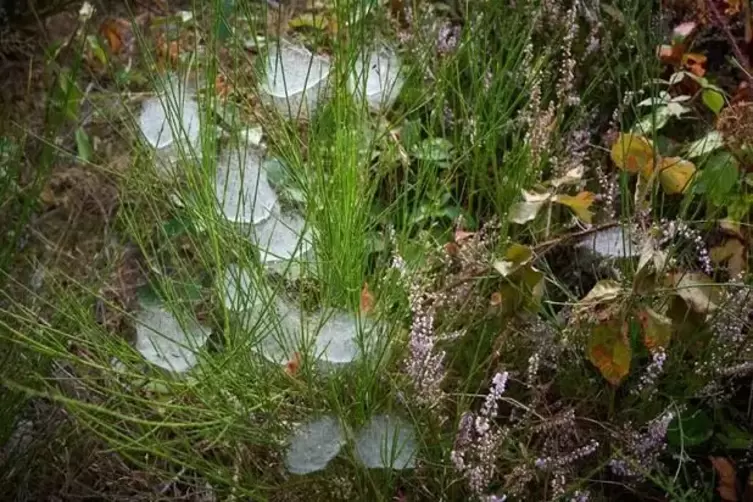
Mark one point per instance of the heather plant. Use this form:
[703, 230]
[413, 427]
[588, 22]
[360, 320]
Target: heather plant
[364, 251]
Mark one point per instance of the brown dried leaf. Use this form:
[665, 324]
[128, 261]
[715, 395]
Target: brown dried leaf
[727, 478]
[697, 289]
[292, 366]
[461, 235]
[734, 253]
[496, 299]
[367, 299]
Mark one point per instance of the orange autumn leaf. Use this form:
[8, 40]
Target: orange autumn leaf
[733, 7]
[115, 31]
[609, 350]
[367, 299]
[670, 54]
[451, 249]
[694, 63]
[221, 86]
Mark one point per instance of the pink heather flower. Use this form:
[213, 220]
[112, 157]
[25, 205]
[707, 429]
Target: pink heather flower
[678, 229]
[448, 38]
[491, 407]
[653, 371]
[546, 463]
[477, 441]
[566, 82]
[425, 365]
[643, 448]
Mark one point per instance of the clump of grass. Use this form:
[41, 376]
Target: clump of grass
[486, 344]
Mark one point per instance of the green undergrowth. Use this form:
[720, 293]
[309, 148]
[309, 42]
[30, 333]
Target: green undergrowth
[436, 180]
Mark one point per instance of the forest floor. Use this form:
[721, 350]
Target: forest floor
[378, 250]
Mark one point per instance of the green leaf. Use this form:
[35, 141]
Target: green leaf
[177, 225]
[713, 99]
[434, 149]
[410, 134]
[718, 177]
[147, 295]
[652, 121]
[709, 143]
[516, 256]
[277, 171]
[97, 49]
[83, 145]
[690, 429]
[734, 438]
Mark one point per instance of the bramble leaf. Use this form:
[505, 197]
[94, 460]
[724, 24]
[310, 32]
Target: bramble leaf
[609, 350]
[657, 329]
[712, 141]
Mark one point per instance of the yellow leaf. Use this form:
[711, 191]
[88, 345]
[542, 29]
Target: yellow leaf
[516, 256]
[609, 350]
[603, 291]
[675, 174]
[634, 154]
[308, 20]
[579, 204]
